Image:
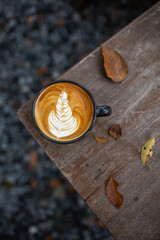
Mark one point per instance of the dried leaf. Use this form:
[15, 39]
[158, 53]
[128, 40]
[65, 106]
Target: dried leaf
[70, 189]
[59, 22]
[40, 16]
[115, 131]
[16, 103]
[146, 151]
[33, 159]
[115, 66]
[100, 224]
[101, 139]
[34, 183]
[49, 237]
[55, 182]
[113, 195]
[29, 19]
[42, 71]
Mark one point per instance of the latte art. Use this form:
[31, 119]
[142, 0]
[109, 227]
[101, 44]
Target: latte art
[64, 111]
[61, 122]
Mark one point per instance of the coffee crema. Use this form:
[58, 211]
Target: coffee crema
[64, 111]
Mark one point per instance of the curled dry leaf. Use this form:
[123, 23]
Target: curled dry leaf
[146, 151]
[115, 66]
[34, 183]
[113, 195]
[40, 16]
[115, 131]
[16, 103]
[100, 224]
[55, 182]
[59, 22]
[33, 159]
[42, 71]
[101, 139]
[49, 237]
[29, 19]
[70, 189]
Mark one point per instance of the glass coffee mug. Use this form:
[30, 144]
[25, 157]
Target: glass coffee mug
[65, 111]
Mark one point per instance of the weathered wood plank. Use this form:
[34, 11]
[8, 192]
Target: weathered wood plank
[135, 102]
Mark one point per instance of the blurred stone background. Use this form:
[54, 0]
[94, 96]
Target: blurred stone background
[39, 40]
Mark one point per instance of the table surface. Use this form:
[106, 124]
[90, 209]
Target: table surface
[135, 103]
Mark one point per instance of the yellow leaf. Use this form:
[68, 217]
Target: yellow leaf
[146, 151]
[101, 139]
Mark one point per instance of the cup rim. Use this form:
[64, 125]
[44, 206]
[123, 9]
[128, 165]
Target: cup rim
[69, 141]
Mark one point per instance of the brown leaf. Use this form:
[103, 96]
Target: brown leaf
[113, 195]
[16, 103]
[101, 139]
[49, 237]
[59, 22]
[115, 66]
[29, 19]
[70, 189]
[33, 159]
[40, 16]
[55, 182]
[115, 131]
[42, 71]
[100, 224]
[34, 183]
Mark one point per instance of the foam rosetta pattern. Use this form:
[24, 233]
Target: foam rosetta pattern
[61, 122]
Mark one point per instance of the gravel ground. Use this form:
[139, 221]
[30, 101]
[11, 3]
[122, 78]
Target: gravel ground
[39, 40]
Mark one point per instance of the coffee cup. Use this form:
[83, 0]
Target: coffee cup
[64, 111]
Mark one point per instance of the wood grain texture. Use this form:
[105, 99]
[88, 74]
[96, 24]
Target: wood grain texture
[135, 103]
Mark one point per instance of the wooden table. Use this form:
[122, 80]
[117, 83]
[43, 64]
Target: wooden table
[135, 102]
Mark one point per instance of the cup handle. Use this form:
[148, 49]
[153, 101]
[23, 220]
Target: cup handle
[103, 111]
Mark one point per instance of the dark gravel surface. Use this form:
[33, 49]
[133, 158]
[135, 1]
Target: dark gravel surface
[39, 40]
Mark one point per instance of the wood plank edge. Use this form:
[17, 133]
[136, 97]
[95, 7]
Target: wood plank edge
[98, 48]
[110, 39]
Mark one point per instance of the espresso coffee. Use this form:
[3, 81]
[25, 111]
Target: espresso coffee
[64, 111]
